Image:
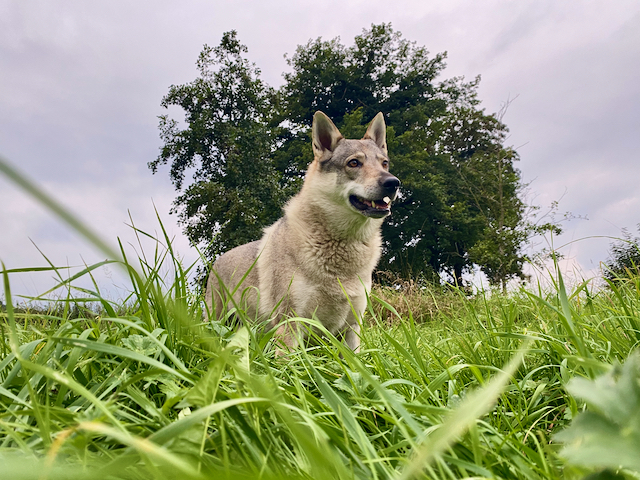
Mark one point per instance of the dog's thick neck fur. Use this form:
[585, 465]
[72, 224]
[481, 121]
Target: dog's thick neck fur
[319, 213]
[333, 238]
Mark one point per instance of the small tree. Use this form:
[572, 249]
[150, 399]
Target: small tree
[624, 257]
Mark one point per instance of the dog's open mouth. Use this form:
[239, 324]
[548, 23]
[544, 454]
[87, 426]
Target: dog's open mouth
[371, 208]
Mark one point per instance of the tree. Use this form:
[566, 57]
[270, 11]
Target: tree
[459, 205]
[236, 187]
[624, 258]
[495, 186]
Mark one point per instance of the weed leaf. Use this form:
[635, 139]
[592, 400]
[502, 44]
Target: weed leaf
[608, 433]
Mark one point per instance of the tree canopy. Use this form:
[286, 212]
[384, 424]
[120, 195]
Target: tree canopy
[248, 146]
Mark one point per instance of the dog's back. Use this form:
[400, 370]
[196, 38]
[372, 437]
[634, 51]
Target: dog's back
[227, 272]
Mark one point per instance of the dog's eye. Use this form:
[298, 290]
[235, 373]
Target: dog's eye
[385, 164]
[353, 163]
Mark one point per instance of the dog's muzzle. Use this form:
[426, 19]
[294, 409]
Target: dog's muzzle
[380, 207]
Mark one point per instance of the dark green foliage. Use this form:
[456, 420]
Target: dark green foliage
[460, 203]
[624, 258]
[250, 147]
[381, 72]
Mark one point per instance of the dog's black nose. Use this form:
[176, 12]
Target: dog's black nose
[391, 183]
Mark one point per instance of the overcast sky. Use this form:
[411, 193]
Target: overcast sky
[81, 84]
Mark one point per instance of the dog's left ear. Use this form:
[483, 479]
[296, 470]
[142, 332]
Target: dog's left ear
[377, 132]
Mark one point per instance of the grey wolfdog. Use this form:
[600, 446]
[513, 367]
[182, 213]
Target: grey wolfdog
[321, 253]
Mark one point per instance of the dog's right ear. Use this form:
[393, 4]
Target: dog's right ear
[377, 132]
[324, 134]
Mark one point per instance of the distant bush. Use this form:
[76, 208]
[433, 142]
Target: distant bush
[422, 299]
[624, 258]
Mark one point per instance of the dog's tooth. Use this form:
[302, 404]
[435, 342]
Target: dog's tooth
[386, 200]
[373, 204]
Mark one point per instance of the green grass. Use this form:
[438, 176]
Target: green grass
[445, 386]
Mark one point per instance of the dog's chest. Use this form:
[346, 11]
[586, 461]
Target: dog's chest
[321, 253]
[330, 301]
[339, 258]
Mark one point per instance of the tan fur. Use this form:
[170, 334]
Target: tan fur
[322, 245]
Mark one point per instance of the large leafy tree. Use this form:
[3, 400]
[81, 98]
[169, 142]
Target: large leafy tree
[459, 204]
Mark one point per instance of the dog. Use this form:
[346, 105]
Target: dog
[317, 260]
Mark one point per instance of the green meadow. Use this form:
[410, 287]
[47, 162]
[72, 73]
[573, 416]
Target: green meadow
[532, 384]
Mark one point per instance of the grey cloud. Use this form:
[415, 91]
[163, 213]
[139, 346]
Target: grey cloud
[85, 80]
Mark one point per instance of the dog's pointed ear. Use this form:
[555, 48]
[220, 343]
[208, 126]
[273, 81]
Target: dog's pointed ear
[325, 135]
[377, 132]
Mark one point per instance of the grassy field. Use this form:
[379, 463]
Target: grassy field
[533, 384]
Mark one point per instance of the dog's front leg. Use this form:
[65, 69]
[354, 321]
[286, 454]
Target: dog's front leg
[352, 337]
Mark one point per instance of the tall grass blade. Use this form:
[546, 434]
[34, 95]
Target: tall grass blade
[460, 420]
[60, 211]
